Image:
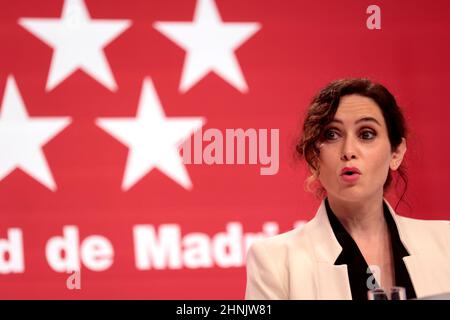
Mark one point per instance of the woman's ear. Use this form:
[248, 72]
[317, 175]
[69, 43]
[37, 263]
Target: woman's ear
[398, 155]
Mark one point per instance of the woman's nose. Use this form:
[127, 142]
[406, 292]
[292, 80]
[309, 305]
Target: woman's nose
[347, 156]
[348, 150]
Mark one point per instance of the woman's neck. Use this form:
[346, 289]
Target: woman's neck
[363, 219]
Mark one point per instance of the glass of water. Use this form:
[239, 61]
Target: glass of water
[394, 293]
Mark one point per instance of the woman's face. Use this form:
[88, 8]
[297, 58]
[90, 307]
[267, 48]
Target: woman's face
[357, 137]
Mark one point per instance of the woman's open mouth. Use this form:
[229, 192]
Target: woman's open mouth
[350, 177]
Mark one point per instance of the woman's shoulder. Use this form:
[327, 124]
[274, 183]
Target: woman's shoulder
[281, 244]
[272, 262]
[426, 232]
[422, 225]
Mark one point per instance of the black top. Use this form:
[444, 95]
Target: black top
[356, 264]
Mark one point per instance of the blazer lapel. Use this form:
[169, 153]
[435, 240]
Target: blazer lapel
[332, 280]
[333, 283]
[419, 273]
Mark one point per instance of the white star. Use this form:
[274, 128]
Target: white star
[22, 137]
[210, 45]
[153, 139]
[78, 43]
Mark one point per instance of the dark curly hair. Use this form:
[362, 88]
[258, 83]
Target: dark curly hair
[322, 110]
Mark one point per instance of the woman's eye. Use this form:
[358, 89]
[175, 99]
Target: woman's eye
[331, 135]
[367, 135]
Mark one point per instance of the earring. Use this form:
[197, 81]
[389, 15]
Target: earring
[394, 165]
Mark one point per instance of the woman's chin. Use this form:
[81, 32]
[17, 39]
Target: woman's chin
[351, 194]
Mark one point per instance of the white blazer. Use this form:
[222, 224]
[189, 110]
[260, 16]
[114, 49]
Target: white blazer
[299, 264]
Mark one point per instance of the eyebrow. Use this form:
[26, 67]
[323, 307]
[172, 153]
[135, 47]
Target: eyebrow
[370, 119]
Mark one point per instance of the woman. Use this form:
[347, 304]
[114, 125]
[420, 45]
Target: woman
[354, 139]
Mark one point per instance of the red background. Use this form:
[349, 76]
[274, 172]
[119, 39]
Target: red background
[301, 46]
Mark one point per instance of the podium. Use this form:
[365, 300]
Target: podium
[441, 296]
